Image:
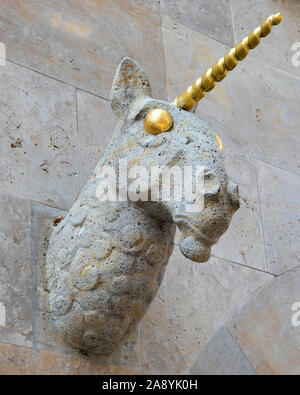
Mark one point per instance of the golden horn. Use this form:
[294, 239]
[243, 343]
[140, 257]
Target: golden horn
[218, 72]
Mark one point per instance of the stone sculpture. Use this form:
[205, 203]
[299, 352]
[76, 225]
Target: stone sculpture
[106, 259]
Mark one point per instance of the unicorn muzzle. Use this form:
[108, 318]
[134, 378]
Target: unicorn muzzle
[195, 249]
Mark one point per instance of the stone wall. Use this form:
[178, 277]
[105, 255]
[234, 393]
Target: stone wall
[55, 122]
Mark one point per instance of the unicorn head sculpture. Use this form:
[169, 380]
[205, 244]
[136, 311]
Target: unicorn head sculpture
[107, 258]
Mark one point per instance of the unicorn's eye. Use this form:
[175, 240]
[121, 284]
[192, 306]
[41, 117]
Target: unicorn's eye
[158, 121]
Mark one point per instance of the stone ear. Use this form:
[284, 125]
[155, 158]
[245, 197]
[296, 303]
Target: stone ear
[130, 84]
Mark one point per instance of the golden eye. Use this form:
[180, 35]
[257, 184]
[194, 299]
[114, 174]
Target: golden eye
[158, 121]
[219, 142]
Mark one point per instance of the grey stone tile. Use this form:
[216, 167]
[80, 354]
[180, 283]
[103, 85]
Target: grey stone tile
[192, 303]
[263, 327]
[276, 49]
[222, 356]
[96, 125]
[275, 137]
[15, 271]
[280, 191]
[127, 356]
[82, 42]
[212, 18]
[243, 242]
[228, 107]
[38, 139]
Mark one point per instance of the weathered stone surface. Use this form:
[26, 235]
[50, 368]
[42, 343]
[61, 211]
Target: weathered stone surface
[81, 43]
[192, 303]
[15, 271]
[24, 361]
[212, 18]
[277, 51]
[222, 356]
[244, 242]
[280, 191]
[127, 356]
[106, 260]
[38, 148]
[264, 329]
[274, 138]
[228, 107]
[95, 130]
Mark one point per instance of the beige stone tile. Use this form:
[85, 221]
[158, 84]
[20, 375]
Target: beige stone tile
[212, 18]
[263, 327]
[82, 42]
[127, 357]
[228, 107]
[243, 242]
[96, 126]
[280, 191]
[222, 356]
[38, 139]
[24, 361]
[15, 271]
[192, 303]
[276, 49]
[154, 5]
[42, 225]
[275, 137]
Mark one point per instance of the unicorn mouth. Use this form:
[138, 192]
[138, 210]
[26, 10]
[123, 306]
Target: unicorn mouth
[195, 249]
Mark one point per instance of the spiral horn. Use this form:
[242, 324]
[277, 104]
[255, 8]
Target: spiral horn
[218, 72]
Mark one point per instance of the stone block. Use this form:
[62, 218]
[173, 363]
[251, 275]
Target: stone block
[38, 140]
[154, 5]
[222, 356]
[264, 330]
[24, 361]
[15, 272]
[96, 126]
[193, 301]
[212, 18]
[81, 43]
[276, 49]
[280, 191]
[274, 138]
